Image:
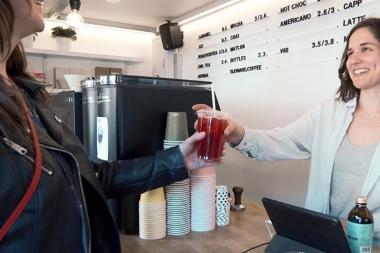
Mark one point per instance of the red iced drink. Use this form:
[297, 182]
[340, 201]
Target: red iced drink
[213, 123]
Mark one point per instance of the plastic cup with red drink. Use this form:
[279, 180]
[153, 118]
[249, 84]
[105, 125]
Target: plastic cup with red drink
[213, 123]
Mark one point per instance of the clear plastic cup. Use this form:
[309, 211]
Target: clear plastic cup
[213, 124]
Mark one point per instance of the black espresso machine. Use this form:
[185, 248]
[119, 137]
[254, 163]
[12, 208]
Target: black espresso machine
[129, 117]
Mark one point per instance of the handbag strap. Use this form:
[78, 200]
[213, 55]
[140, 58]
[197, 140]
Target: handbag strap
[34, 182]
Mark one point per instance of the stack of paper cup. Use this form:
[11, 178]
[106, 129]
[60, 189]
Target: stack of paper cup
[203, 199]
[178, 208]
[152, 214]
[176, 129]
[178, 193]
[222, 205]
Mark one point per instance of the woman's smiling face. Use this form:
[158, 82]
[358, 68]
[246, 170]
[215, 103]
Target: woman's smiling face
[363, 61]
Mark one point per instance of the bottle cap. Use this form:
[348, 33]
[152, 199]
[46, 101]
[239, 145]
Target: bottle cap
[361, 200]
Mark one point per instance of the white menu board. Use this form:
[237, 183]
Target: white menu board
[294, 32]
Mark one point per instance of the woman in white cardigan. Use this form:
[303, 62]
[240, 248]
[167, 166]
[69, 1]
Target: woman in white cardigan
[340, 137]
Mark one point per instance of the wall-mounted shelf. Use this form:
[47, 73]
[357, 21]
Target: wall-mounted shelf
[79, 55]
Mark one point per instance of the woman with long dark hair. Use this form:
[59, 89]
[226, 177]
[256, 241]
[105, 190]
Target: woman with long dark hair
[52, 199]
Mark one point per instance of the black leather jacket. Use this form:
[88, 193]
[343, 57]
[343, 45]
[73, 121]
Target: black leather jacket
[71, 198]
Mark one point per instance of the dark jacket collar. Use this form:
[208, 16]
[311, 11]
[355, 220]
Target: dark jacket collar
[51, 122]
[30, 85]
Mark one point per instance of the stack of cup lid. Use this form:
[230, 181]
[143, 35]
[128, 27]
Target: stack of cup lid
[203, 199]
[222, 205]
[178, 207]
[152, 214]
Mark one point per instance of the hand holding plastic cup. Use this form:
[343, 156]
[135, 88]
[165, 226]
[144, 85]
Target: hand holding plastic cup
[213, 123]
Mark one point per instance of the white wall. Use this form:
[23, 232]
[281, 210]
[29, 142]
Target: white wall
[96, 40]
[287, 85]
[163, 61]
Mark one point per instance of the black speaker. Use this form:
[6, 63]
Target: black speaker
[171, 35]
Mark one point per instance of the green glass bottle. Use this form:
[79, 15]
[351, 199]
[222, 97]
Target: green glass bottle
[360, 227]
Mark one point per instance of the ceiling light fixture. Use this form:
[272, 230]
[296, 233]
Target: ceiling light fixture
[227, 3]
[113, 1]
[74, 19]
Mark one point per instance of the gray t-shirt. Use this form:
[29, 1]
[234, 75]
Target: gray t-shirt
[350, 169]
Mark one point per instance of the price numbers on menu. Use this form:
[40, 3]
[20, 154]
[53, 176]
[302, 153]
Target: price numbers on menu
[260, 17]
[223, 51]
[326, 11]
[262, 54]
[323, 43]
[224, 39]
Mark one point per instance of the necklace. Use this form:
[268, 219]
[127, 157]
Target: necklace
[372, 116]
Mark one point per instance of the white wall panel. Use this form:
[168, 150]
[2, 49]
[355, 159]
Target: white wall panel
[96, 40]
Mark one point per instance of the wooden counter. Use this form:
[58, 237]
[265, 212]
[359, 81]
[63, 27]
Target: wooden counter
[246, 229]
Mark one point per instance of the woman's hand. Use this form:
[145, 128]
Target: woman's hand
[234, 132]
[189, 153]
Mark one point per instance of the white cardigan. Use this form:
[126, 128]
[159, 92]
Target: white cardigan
[316, 136]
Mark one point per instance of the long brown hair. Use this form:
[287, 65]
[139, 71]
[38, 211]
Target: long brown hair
[10, 97]
[347, 90]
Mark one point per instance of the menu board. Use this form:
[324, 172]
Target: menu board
[277, 36]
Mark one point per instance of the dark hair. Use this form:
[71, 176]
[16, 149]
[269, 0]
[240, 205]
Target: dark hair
[347, 90]
[6, 26]
[10, 97]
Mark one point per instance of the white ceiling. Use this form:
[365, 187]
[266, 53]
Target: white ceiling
[138, 14]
